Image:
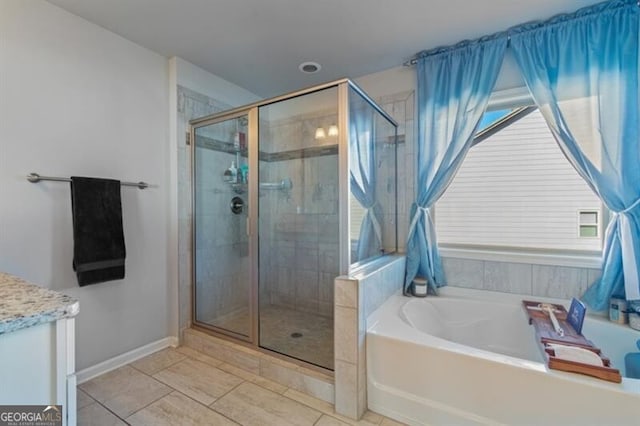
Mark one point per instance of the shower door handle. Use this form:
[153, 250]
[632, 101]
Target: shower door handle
[248, 227]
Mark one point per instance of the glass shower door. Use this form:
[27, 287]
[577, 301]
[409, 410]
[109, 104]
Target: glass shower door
[298, 225]
[221, 265]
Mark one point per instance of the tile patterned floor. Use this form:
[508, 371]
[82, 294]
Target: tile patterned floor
[185, 387]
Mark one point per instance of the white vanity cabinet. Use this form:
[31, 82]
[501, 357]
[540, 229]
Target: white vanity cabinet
[37, 346]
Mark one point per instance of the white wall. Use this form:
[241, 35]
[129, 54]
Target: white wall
[79, 100]
[201, 81]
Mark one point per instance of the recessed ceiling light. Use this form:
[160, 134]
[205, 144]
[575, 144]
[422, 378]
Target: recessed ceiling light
[309, 67]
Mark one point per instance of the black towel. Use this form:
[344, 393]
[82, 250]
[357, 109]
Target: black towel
[98, 239]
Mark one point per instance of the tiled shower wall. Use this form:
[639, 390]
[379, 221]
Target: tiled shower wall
[222, 256]
[299, 227]
[190, 105]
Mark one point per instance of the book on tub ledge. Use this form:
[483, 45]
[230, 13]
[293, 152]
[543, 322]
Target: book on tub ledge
[559, 334]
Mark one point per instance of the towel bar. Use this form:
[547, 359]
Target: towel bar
[34, 178]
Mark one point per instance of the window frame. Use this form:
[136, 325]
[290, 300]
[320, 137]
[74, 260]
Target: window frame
[520, 99]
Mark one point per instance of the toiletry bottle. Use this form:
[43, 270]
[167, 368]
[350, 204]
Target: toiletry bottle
[244, 173]
[234, 172]
[236, 141]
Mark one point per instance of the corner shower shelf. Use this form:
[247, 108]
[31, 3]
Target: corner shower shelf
[241, 187]
[546, 336]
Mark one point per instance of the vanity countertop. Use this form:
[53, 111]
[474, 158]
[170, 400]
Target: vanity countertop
[23, 304]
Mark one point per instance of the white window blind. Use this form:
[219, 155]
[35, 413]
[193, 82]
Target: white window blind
[516, 189]
[357, 216]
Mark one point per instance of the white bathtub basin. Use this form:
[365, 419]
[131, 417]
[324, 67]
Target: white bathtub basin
[469, 357]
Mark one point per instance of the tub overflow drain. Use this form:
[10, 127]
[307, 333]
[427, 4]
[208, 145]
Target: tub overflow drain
[296, 335]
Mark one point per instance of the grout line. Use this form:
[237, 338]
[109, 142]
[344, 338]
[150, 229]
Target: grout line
[257, 376]
[222, 396]
[152, 402]
[307, 405]
[208, 407]
[162, 369]
[155, 400]
[227, 393]
[108, 409]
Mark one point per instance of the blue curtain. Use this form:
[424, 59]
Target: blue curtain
[362, 174]
[582, 71]
[454, 86]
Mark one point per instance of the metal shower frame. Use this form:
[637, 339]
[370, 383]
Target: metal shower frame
[251, 111]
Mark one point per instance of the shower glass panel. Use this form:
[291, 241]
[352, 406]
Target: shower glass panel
[220, 245]
[372, 181]
[298, 225]
[288, 194]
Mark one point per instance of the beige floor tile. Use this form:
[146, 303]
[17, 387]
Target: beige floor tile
[198, 380]
[310, 401]
[372, 417]
[253, 378]
[82, 399]
[177, 409]
[327, 408]
[158, 361]
[125, 390]
[199, 356]
[330, 421]
[390, 422]
[96, 415]
[251, 405]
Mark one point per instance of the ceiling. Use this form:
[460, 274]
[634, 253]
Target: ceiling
[258, 44]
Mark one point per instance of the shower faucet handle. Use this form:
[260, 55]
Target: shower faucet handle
[237, 205]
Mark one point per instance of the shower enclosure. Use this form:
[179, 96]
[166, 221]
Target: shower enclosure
[289, 193]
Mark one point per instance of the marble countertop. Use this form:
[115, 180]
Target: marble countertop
[23, 304]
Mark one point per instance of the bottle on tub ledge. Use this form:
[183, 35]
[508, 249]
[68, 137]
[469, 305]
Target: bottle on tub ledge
[618, 309]
[420, 288]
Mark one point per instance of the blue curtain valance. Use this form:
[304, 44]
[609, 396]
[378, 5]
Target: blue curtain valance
[585, 12]
[582, 13]
[461, 46]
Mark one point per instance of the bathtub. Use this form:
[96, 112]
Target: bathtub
[470, 357]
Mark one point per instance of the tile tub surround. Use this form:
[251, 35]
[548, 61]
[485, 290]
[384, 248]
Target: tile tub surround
[312, 382]
[559, 282]
[165, 389]
[356, 297]
[23, 304]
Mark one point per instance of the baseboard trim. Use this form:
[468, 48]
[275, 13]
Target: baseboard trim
[124, 359]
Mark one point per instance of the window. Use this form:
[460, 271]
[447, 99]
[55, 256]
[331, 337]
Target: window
[515, 189]
[588, 224]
